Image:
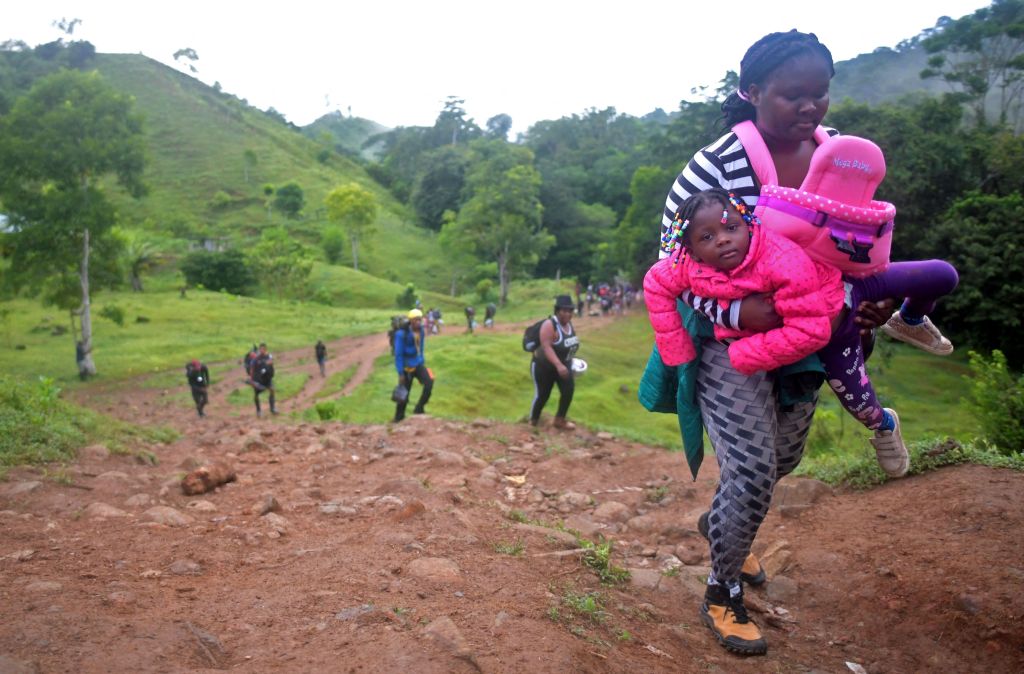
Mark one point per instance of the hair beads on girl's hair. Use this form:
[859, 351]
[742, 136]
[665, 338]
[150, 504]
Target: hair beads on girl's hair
[762, 59]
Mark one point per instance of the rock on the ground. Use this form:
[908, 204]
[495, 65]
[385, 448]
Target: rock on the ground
[612, 511]
[185, 567]
[12, 666]
[800, 492]
[19, 488]
[647, 579]
[201, 505]
[103, 510]
[438, 569]
[138, 500]
[781, 589]
[775, 558]
[44, 587]
[443, 632]
[167, 516]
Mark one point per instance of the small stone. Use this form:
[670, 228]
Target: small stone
[185, 567]
[138, 500]
[437, 569]
[646, 579]
[266, 505]
[612, 511]
[167, 516]
[969, 604]
[94, 453]
[353, 612]
[201, 505]
[443, 632]
[331, 508]
[44, 587]
[19, 488]
[276, 522]
[102, 510]
[782, 588]
[574, 499]
[605, 435]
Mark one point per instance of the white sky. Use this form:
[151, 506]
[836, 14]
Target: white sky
[395, 61]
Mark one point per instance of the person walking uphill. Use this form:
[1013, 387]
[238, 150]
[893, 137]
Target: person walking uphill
[199, 381]
[552, 363]
[261, 375]
[410, 363]
[321, 356]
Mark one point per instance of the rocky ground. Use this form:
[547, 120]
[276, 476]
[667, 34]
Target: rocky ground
[434, 546]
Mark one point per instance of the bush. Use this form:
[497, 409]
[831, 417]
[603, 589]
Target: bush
[226, 271]
[407, 298]
[332, 240]
[113, 313]
[35, 426]
[220, 200]
[484, 290]
[997, 400]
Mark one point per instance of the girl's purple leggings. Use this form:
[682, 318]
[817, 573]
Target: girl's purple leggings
[920, 284]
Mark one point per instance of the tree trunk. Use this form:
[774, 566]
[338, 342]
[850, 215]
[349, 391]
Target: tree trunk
[136, 282]
[87, 365]
[454, 278]
[355, 253]
[503, 273]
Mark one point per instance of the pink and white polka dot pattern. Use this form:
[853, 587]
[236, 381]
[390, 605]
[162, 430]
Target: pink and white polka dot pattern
[876, 213]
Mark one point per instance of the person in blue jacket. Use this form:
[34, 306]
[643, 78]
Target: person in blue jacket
[410, 363]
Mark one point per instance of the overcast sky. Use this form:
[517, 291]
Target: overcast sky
[395, 61]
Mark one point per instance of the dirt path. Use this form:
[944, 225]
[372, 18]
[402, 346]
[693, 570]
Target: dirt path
[404, 549]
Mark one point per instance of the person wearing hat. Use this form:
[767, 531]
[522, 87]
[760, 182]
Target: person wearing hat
[261, 377]
[199, 381]
[410, 363]
[552, 362]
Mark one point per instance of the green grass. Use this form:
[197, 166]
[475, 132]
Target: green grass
[205, 325]
[37, 427]
[335, 382]
[285, 386]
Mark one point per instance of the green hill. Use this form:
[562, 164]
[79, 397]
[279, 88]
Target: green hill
[347, 134]
[203, 187]
[884, 76]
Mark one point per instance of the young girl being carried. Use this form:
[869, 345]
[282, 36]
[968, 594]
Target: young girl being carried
[722, 251]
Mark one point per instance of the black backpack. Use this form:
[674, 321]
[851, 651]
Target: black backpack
[531, 336]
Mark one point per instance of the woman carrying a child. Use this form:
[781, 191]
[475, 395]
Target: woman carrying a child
[748, 279]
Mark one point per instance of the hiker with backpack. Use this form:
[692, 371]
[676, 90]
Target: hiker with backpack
[783, 90]
[261, 378]
[198, 377]
[470, 319]
[489, 313]
[553, 342]
[410, 341]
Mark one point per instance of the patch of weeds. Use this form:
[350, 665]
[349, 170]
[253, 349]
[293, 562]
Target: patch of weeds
[77, 514]
[425, 481]
[589, 605]
[513, 549]
[624, 635]
[597, 557]
[671, 572]
[60, 475]
[656, 494]
[578, 631]
[399, 610]
[500, 439]
[555, 448]
[518, 516]
[554, 615]
[146, 457]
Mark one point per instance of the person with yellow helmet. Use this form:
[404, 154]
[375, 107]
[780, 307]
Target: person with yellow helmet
[411, 365]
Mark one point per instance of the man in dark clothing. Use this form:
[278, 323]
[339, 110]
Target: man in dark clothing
[470, 319]
[411, 364]
[199, 381]
[321, 357]
[83, 372]
[261, 374]
[489, 315]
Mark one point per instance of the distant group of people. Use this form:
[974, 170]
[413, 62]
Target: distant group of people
[613, 298]
[490, 311]
[258, 364]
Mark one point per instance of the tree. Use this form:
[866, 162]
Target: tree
[439, 187]
[70, 130]
[502, 218]
[290, 199]
[499, 126]
[251, 160]
[980, 53]
[332, 240]
[190, 55]
[281, 263]
[355, 209]
[218, 271]
[138, 256]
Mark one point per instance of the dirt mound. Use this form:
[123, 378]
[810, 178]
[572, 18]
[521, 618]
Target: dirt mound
[434, 546]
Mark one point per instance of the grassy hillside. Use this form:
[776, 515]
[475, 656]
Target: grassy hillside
[202, 186]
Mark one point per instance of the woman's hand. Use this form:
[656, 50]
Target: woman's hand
[757, 313]
[871, 315]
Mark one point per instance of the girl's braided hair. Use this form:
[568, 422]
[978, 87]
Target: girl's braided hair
[762, 59]
[678, 237]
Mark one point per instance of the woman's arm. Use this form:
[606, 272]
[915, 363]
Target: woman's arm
[662, 284]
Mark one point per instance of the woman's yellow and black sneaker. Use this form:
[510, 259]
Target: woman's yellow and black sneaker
[752, 572]
[723, 611]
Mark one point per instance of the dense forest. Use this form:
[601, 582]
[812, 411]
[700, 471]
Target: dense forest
[577, 197]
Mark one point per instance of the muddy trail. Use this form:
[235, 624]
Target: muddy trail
[436, 546]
